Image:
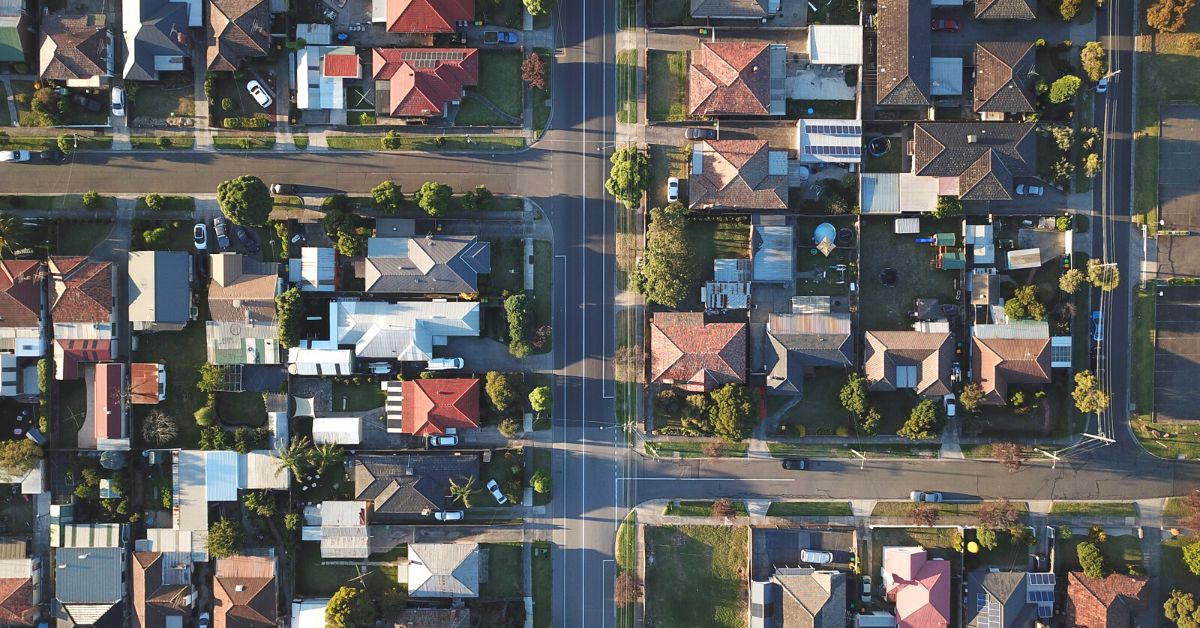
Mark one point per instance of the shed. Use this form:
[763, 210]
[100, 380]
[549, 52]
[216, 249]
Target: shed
[262, 470]
[983, 288]
[830, 44]
[946, 76]
[952, 260]
[342, 430]
[897, 192]
[945, 239]
[772, 249]
[309, 613]
[1024, 258]
[315, 271]
[221, 476]
[980, 239]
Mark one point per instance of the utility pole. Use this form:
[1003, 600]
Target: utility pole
[863, 459]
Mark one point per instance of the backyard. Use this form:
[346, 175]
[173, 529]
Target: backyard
[499, 84]
[242, 408]
[887, 307]
[716, 239]
[72, 408]
[666, 85]
[182, 352]
[356, 394]
[696, 576]
[316, 579]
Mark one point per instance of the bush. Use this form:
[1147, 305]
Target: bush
[1065, 88]
[155, 201]
[1092, 58]
[91, 201]
[244, 123]
[1191, 557]
[1069, 9]
[541, 482]
[732, 411]
[205, 416]
[226, 104]
[388, 197]
[948, 207]
[390, 141]
[1091, 561]
[921, 422]
[289, 306]
[478, 199]
[509, 427]
[1169, 16]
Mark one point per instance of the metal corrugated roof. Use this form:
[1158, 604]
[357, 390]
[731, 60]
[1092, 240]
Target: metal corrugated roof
[262, 470]
[830, 44]
[89, 575]
[772, 250]
[343, 430]
[221, 476]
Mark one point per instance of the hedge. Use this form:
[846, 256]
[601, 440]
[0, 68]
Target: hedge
[244, 123]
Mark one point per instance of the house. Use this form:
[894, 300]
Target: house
[689, 353]
[1016, 353]
[737, 174]
[975, 161]
[342, 430]
[245, 592]
[431, 407]
[162, 589]
[799, 597]
[1005, 10]
[919, 587]
[445, 570]
[21, 581]
[920, 361]
[89, 587]
[1116, 601]
[434, 618]
[734, 9]
[1008, 599]
[422, 82]
[202, 477]
[422, 16]
[829, 141]
[835, 44]
[340, 527]
[236, 30]
[897, 193]
[434, 264]
[410, 485]
[405, 331]
[1002, 76]
[160, 298]
[21, 309]
[76, 49]
[321, 72]
[734, 79]
[81, 306]
[241, 305]
[772, 251]
[109, 411]
[17, 33]
[147, 383]
[903, 51]
[156, 36]
[801, 341]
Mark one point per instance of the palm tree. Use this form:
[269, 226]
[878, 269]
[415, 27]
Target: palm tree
[325, 456]
[296, 456]
[462, 493]
[10, 231]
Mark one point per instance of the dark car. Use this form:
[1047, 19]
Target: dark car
[944, 25]
[795, 464]
[247, 240]
[701, 133]
[201, 263]
[53, 155]
[283, 188]
[219, 226]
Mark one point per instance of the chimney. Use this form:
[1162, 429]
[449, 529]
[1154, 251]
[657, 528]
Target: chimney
[239, 588]
[972, 139]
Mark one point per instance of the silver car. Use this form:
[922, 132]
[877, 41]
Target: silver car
[259, 93]
[494, 489]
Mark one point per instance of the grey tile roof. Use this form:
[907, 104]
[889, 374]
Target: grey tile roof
[1005, 9]
[443, 569]
[1006, 589]
[903, 51]
[162, 32]
[729, 8]
[407, 484]
[89, 575]
[158, 287]
[984, 155]
[1002, 76]
[74, 47]
[811, 598]
[432, 265]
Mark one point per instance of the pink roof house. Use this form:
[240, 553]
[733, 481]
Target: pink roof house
[919, 586]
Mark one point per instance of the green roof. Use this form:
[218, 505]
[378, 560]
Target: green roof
[11, 49]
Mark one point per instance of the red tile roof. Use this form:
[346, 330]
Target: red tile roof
[153, 599]
[423, 80]
[737, 173]
[69, 354]
[82, 291]
[730, 78]
[16, 602]
[998, 362]
[340, 65]
[432, 405]
[427, 16]
[1108, 603]
[920, 588]
[106, 396]
[143, 383]
[20, 293]
[694, 355]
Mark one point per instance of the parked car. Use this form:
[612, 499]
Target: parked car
[795, 464]
[701, 133]
[1102, 86]
[201, 262]
[945, 25]
[259, 93]
[379, 368]
[816, 557]
[866, 589]
[205, 620]
[219, 226]
[118, 102]
[14, 155]
[672, 189]
[247, 240]
[444, 364]
[499, 37]
[283, 188]
[200, 236]
[449, 515]
[925, 496]
[494, 489]
[1097, 326]
[1025, 189]
[951, 405]
[53, 155]
[447, 440]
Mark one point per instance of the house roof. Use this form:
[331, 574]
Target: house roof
[244, 592]
[341, 65]
[89, 575]
[800, 341]
[1002, 76]
[242, 289]
[427, 265]
[984, 156]
[434, 618]
[1001, 598]
[153, 29]
[143, 382]
[237, 30]
[16, 592]
[20, 293]
[107, 410]
[1005, 9]
[908, 359]
[427, 16]
[14, 27]
[903, 51]
[811, 598]
[743, 174]
[158, 290]
[422, 80]
[730, 78]
[1111, 602]
[431, 406]
[998, 362]
[73, 47]
[155, 599]
[69, 354]
[729, 9]
[695, 355]
[412, 483]
[405, 331]
[82, 290]
[443, 570]
[919, 586]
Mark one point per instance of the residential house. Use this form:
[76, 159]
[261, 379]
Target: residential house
[202, 477]
[162, 589]
[835, 44]
[829, 141]
[1116, 601]
[405, 331]
[245, 592]
[413, 617]
[81, 306]
[430, 265]
[1008, 599]
[689, 353]
[443, 570]
[734, 9]
[321, 72]
[109, 410]
[160, 296]
[315, 270]
[1003, 73]
[340, 527]
[737, 174]
[237, 30]
[799, 597]
[411, 485]
[903, 52]
[17, 33]
[734, 79]
[1016, 353]
[811, 336]
[919, 361]
[975, 161]
[89, 587]
[76, 49]
[1005, 10]
[919, 587]
[21, 582]
[422, 82]
[147, 383]
[156, 36]
[20, 327]
[432, 407]
[422, 16]
[241, 305]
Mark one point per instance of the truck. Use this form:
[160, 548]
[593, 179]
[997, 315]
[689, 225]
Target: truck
[499, 37]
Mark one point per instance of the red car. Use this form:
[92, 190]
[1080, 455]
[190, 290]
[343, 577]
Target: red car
[944, 25]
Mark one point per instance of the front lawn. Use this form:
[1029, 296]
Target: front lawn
[162, 235]
[1167, 440]
[666, 85]
[668, 161]
[507, 468]
[541, 97]
[700, 509]
[696, 576]
[500, 84]
[809, 509]
[1119, 552]
[627, 70]
[542, 461]
[669, 12]
[243, 408]
[356, 394]
[885, 307]
[507, 276]
[172, 95]
[1174, 571]
[1008, 555]
[505, 571]
[244, 142]
[1094, 509]
[506, 13]
[820, 412]
[425, 142]
[77, 238]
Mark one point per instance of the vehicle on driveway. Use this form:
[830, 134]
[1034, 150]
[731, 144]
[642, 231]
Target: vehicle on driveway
[1097, 326]
[1102, 85]
[118, 102]
[449, 515]
[53, 155]
[672, 190]
[205, 618]
[816, 557]
[499, 37]
[379, 368]
[951, 405]
[494, 489]
[944, 25]
[1025, 189]
[221, 229]
[446, 440]
[444, 364]
[200, 236]
[795, 464]
[247, 240]
[925, 496]
[701, 133]
[14, 155]
[259, 93]
[866, 589]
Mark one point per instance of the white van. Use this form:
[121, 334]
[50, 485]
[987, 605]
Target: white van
[816, 557]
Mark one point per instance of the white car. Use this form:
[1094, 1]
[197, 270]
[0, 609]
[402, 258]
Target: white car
[200, 236]
[205, 618]
[672, 189]
[866, 589]
[260, 95]
[379, 368]
[447, 440]
[449, 515]
[14, 155]
[494, 489]
[1030, 190]
[951, 405]
[816, 557]
[118, 102]
[1102, 86]
[444, 364]
[924, 496]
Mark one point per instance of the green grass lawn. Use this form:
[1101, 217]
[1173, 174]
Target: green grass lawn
[666, 85]
[1094, 509]
[543, 584]
[1007, 555]
[508, 13]
[711, 240]
[178, 235]
[1168, 72]
[626, 554]
[668, 12]
[507, 275]
[939, 542]
[542, 461]
[315, 579]
[543, 282]
[505, 571]
[16, 515]
[627, 86]
[500, 83]
[1174, 509]
[902, 508]
[72, 407]
[170, 204]
[507, 465]
[425, 142]
[692, 449]
[301, 141]
[834, 12]
[1143, 350]
[886, 308]
[891, 161]
[79, 239]
[52, 202]
[172, 95]
[820, 411]
[151, 142]
[1179, 440]
[809, 509]
[697, 576]
[1119, 552]
[668, 161]
[1174, 571]
[700, 509]
[541, 97]
[916, 450]
[243, 408]
[183, 352]
[349, 397]
[244, 142]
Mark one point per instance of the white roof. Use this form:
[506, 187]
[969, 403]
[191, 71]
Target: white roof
[262, 470]
[221, 476]
[1024, 258]
[443, 570]
[168, 540]
[835, 44]
[191, 503]
[313, 89]
[85, 535]
[278, 424]
[908, 225]
[315, 270]
[342, 430]
[829, 141]
[304, 406]
[946, 76]
[315, 34]
[309, 613]
[897, 192]
[31, 481]
[320, 361]
[979, 237]
[405, 331]
[343, 513]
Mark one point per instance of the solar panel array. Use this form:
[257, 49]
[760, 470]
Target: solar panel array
[988, 611]
[836, 151]
[833, 129]
[430, 58]
[1041, 596]
[1040, 579]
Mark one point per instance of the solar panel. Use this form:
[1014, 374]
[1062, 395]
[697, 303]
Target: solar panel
[1045, 611]
[1041, 596]
[1041, 579]
[980, 601]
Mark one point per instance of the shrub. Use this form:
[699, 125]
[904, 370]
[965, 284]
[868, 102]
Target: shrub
[921, 422]
[226, 104]
[1091, 561]
[1169, 16]
[388, 197]
[244, 123]
[1065, 88]
[948, 207]
[390, 141]
[205, 416]
[1092, 58]
[1068, 9]
[154, 201]
[91, 201]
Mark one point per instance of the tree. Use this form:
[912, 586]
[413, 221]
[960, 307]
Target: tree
[351, 244]
[1068, 9]
[1087, 395]
[1024, 305]
[1065, 88]
[1091, 561]
[462, 493]
[326, 456]
[947, 207]
[1092, 58]
[539, 7]
[387, 197]
[211, 378]
[971, 396]
[91, 200]
[1092, 165]
[1008, 454]
[732, 410]
[1181, 609]
[987, 538]
[293, 521]
[213, 438]
[245, 200]
[296, 456]
[516, 308]
[1191, 557]
[390, 141]
[533, 70]
[669, 263]
[924, 514]
[349, 608]
[1168, 16]
[854, 395]
[224, 538]
[289, 308]
[541, 482]
[478, 199]
[260, 503]
[17, 457]
[628, 590]
[154, 201]
[867, 424]
[1104, 276]
[509, 427]
[1070, 281]
[540, 399]
[159, 429]
[66, 143]
[723, 507]
[10, 233]
[629, 176]
[434, 198]
[500, 389]
[998, 515]
[921, 422]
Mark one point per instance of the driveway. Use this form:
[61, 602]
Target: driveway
[481, 355]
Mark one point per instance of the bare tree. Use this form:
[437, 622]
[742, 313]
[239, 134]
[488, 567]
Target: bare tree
[713, 449]
[628, 589]
[158, 428]
[924, 514]
[998, 515]
[1008, 454]
[723, 508]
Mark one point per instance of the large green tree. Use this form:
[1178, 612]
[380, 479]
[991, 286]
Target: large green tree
[854, 394]
[629, 176]
[501, 389]
[732, 410]
[1065, 88]
[669, 264]
[1181, 608]
[434, 198]
[1087, 394]
[349, 608]
[540, 399]
[17, 457]
[224, 538]
[921, 423]
[1024, 305]
[1091, 561]
[245, 200]
[1092, 58]
[387, 197]
[289, 309]
[539, 7]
